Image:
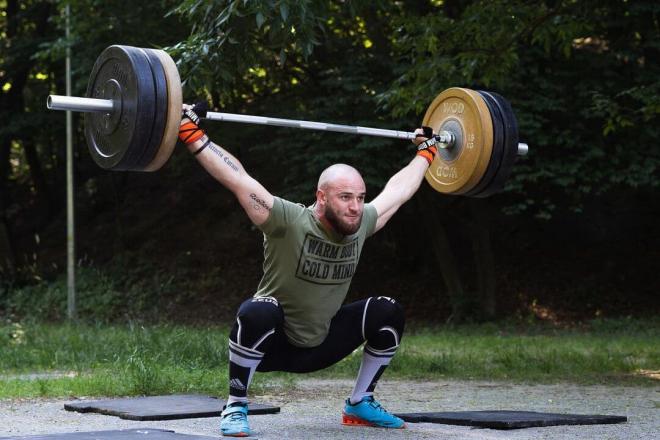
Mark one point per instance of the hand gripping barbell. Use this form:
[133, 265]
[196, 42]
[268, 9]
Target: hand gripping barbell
[134, 103]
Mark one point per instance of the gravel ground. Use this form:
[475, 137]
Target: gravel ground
[312, 411]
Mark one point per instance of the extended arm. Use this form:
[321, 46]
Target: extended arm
[226, 169]
[404, 184]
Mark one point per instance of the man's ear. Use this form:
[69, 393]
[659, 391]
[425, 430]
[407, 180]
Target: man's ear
[320, 197]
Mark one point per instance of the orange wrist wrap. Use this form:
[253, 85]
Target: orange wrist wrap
[189, 132]
[428, 153]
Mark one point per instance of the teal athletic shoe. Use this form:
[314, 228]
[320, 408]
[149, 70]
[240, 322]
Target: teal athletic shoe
[234, 421]
[368, 412]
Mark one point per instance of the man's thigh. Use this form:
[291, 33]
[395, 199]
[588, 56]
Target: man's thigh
[344, 336]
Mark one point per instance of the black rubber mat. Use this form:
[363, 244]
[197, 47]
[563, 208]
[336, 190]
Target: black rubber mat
[122, 434]
[508, 419]
[180, 406]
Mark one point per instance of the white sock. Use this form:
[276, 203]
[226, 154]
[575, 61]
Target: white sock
[373, 364]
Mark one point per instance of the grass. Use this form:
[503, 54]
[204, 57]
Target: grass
[104, 360]
[613, 351]
[111, 360]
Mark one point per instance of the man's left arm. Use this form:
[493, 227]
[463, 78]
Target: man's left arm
[405, 183]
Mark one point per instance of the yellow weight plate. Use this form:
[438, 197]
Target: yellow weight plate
[463, 112]
[174, 108]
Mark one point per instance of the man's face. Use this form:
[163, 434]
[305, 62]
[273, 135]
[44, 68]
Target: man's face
[344, 206]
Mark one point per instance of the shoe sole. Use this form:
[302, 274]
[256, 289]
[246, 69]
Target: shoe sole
[238, 434]
[351, 420]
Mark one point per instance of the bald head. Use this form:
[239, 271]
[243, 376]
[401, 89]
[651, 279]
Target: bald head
[339, 173]
[340, 198]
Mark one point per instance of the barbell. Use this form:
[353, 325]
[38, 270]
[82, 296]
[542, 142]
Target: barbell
[133, 108]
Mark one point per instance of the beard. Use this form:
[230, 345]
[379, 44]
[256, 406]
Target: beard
[339, 225]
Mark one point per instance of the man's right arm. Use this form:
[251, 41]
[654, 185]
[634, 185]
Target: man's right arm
[226, 169]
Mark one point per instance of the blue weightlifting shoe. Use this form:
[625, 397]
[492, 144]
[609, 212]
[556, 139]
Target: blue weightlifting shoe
[233, 422]
[368, 412]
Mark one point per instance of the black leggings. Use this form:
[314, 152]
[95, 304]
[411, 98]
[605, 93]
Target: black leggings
[378, 320]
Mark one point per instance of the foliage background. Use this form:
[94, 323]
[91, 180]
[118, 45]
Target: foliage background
[574, 235]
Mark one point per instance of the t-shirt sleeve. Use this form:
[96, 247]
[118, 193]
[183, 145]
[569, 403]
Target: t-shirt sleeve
[369, 218]
[282, 215]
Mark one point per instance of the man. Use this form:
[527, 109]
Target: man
[296, 322]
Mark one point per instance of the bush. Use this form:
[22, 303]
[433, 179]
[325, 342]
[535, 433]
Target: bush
[119, 291]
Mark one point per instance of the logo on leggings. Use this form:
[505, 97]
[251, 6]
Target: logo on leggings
[323, 262]
[264, 299]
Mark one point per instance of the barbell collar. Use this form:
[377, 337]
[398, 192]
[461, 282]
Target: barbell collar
[445, 139]
[77, 104]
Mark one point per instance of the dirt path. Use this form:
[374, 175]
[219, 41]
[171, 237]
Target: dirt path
[312, 411]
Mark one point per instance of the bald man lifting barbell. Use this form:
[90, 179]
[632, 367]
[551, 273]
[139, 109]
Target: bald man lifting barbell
[295, 321]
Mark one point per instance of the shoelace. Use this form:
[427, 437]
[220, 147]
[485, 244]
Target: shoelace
[375, 405]
[236, 416]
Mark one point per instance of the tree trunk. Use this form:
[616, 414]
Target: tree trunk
[31, 155]
[38, 178]
[119, 189]
[479, 229]
[7, 249]
[5, 148]
[445, 258]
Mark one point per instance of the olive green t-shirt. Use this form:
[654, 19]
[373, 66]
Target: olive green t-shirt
[308, 269]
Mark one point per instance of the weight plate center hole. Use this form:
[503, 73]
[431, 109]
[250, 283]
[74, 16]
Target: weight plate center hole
[454, 127]
[110, 121]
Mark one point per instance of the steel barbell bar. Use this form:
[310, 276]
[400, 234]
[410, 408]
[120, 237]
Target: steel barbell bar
[445, 139]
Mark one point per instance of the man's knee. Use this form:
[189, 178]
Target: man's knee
[256, 321]
[383, 322]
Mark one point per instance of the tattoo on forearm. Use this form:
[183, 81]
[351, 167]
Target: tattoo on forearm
[218, 152]
[231, 164]
[257, 203]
